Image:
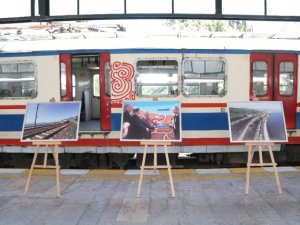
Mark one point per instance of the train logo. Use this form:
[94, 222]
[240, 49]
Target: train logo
[151, 121]
[56, 121]
[257, 122]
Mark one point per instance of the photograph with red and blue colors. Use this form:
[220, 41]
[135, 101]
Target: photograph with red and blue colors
[151, 121]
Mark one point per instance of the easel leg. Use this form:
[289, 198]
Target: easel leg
[142, 172]
[261, 161]
[169, 171]
[275, 170]
[154, 162]
[31, 169]
[57, 168]
[46, 156]
[250, 156]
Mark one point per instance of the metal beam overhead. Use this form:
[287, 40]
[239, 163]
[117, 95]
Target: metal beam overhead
[44, 14]
[218, 7]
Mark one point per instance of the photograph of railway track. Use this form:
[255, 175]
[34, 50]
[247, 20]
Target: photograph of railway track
[256, 122]
[151, 121]
[53, 121]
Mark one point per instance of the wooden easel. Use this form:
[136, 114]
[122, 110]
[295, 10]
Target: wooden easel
[54, 147]
[251, 149]
[155, 166]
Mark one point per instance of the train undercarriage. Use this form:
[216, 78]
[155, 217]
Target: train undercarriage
[287, 155]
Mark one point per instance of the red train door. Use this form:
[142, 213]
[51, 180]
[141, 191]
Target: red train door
[65, 77]
[76, 85]
[274, 78]
[105, 91]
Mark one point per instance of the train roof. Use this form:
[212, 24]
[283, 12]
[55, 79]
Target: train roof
[158, 42]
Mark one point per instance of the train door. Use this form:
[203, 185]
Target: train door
[274, 78]
[86, 78]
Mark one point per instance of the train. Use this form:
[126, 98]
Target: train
[202, 73]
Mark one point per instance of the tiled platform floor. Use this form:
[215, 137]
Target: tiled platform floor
[108, 197]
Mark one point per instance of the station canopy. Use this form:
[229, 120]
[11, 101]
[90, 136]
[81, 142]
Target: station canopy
[15, 11]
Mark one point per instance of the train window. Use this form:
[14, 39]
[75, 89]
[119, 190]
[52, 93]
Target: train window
[63, 80]
[107, 79]
[260, 72]
[286, 78]
[18, 79]
[204, 77]
[157, 78]
[73, 85]
[96, 85]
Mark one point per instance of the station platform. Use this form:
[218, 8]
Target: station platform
[203, 196]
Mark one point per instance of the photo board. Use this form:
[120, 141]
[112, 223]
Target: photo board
[51, 121]
[256, 121]
[151, 121]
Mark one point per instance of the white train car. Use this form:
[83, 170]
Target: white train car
[202, 73]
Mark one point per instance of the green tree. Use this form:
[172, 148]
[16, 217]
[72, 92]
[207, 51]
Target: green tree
[208, 25]
[239, 25]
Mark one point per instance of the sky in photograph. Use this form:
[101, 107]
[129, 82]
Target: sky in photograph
[159, 107]
[267, 106]
[51, 112]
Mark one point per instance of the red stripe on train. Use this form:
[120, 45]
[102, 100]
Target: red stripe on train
[117, 105]
[196, 105]
[186, 105]
[12, 106]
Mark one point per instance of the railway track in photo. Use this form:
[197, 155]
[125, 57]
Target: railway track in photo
[252, 128]
[47, 131]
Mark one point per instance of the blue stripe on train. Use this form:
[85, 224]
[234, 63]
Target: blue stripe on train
[128, 51]
[141, 51]
[298, 120]
[191, 121]
[200, 121]
[11, 122]
[116, 121]
[204, 121]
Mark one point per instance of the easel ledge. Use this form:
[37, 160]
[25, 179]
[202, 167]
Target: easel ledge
[259, 143]
[158, 143]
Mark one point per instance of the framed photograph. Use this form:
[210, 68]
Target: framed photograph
[151, 121]
[51, 121]
[256, 122]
